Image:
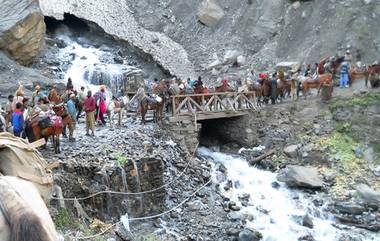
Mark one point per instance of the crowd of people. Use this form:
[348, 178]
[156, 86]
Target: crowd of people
[21, 110]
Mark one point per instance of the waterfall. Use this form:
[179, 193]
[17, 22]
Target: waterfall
[91, 67]
[275, 211]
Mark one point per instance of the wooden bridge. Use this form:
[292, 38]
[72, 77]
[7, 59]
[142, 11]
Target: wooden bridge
[212, 106]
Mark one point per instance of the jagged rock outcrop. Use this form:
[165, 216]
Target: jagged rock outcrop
[115, 17]
[13, 74]
[210, 12]
[22, 29]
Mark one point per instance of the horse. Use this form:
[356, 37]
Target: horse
[200, 89]
[54, 97]
[309, 83]
[23, 214]
[265, 90]
[146, 103]
[116, 107]
[35, 131]
[373, 75]
[61, 111]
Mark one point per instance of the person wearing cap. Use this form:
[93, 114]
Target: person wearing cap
[73, 113]
[348, 56]
[19, 96]
[69, 85]
[344, 74]
[89, 106]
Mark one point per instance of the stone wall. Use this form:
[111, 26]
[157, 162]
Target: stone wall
[185, 133]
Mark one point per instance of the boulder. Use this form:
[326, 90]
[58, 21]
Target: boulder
[209, 13]
[349, 208]
[249, 235]
[22, 29]
[298, 176]
[230, 57]
[291, 151]
[241, 60]
[368, 195]
[307, 221]
[12, 74]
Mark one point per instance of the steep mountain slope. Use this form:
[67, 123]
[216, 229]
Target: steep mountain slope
[262, 32]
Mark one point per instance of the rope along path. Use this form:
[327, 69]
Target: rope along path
[148, 217]
[133, 193]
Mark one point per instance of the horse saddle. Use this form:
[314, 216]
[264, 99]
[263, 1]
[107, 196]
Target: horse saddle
[56, 121]
[45, 122]
[154, 99]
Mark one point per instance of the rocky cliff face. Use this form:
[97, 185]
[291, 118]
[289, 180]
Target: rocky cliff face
[117, 19]
[12, 74]
[217, 33]
[22, 29]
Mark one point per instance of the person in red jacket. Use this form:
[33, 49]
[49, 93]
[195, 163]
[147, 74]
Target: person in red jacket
[89, 106]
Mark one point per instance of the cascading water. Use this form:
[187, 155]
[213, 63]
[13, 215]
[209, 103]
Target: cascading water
[275, 210]
[88, 67]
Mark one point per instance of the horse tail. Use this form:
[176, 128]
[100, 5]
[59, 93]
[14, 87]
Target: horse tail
[28, 226]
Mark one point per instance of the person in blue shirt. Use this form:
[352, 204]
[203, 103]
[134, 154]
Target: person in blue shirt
[190, 83]
[344, 74]
[18, 120]
[73, 113]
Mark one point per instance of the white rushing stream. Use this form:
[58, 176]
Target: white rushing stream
[88, 63]
[275, 210]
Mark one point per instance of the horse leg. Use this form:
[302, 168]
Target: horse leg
[58, 144]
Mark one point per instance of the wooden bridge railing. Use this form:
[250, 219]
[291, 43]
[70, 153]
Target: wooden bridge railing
[226, 102]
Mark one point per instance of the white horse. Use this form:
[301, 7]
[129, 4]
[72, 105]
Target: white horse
[23, 214]
[116, 107]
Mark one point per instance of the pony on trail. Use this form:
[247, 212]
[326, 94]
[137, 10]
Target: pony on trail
[23, 214]
[309, 83]
[61, 111]
[373, 76]
[200, 89]
[49, 127]
[147, 103]
[116, 108]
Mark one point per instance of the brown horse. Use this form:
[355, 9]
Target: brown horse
[355, 74]
[200, 89]
[147, 103]
[373, 75]
[265, 90]
[60, 110]
[35, 130]
[309, 83]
